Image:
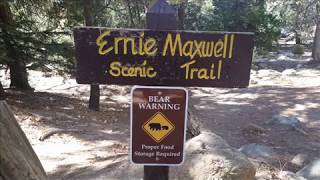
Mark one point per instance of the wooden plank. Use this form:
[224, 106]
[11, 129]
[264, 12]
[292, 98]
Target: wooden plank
[17, 158]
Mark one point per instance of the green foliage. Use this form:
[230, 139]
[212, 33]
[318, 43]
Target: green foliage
[237, 15]
[297, 16]
[298, 49]
[266, 28]
[234, 15]
[32, 28]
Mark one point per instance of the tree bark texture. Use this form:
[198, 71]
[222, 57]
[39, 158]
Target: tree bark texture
[18, 75]
[18, 71]
[316, 46]
[2, 93]
[94, 101]
[316, 42]
[18, 161]
[298, 38]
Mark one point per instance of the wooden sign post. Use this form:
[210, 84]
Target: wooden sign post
[160, 16]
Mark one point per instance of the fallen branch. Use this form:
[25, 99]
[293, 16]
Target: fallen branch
[53, 131]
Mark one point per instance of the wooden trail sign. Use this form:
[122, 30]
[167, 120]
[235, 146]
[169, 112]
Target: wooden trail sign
[164, 58]
[158, 125]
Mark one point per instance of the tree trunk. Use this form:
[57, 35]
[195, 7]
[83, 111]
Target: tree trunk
[18, 75]
[2, 93]
[94, 101]
[298, 38]
[18, 161]
[18, 71]
[130, 14]
[316, 42]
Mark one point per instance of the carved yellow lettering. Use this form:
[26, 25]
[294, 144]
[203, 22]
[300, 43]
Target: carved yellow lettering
[192, 71]
[124, 71]
[187, 48]
[198, 46]
[218, 49]
[141, 49]
[102, 43]
[116, 45]
[225, 46]
[203, 74]
[151, 73]
[173, 48]
[219, 69]
[125, 46]
[207, 50]
[115, 69]
[212, 76]
[187, 67]
[131, 72]
[231, 46]
[149, 45]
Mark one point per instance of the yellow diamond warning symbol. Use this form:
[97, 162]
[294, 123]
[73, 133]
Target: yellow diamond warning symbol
[158, 127]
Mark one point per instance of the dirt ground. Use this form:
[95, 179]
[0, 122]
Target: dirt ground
[94, 145]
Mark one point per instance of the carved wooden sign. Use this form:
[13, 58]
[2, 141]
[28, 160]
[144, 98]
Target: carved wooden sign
[163, 58]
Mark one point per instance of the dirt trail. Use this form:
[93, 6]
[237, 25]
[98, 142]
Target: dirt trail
[94, 145]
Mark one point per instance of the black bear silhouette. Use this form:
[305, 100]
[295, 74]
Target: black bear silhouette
[155, 126]
[165, 128]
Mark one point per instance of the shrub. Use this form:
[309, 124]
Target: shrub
[298, 49]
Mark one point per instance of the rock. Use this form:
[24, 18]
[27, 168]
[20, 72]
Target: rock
[299, 66]
[299, 159]
[258, 151]
[284, 120]
[287, 175]
[254, 67]
[263, 66]
[193, 126]
[311, 171]
[208, 156]
[253, 130]
[252, 81]
[289, 121]
[267, 73]
[289, 72]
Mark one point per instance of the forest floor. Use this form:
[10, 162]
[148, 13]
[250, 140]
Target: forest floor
[94, 145]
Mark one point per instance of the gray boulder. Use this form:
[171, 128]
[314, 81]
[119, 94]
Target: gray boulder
[300, 160]
[311, 171]
[258, 151]
[284, 120]
[287, 175]
[289, 72]
[208, 156]
[291, 121]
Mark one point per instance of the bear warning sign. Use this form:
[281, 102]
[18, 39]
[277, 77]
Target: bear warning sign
[158, 125]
